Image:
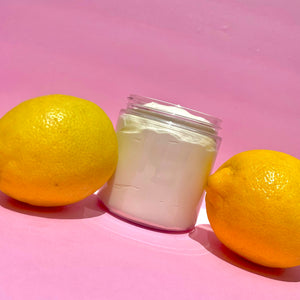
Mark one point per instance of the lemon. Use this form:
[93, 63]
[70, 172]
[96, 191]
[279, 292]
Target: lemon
[55, 150]
[253, 205]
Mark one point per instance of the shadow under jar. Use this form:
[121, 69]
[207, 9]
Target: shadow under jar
[166, 153]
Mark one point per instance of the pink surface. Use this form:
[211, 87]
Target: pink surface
[237, 60]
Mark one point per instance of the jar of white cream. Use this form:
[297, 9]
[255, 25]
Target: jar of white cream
[166, 153]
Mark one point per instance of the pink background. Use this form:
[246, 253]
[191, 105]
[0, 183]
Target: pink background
[237, 60]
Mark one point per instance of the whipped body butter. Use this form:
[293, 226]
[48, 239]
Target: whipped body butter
[166, 153]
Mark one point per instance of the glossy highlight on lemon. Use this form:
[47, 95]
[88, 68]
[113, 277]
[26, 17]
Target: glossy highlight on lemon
[56, 150]
[253, 205]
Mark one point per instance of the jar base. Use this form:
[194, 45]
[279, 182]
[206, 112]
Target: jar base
[143, 223]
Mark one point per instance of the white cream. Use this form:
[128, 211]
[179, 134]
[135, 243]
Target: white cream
[161, 173]
[177, 110]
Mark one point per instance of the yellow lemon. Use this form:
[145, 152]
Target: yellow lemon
[55, 150]
[253, 205]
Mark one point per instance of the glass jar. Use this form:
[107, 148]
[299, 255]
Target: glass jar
[166, 153]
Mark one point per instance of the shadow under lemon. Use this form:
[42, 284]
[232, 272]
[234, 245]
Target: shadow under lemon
[86, 208]
[204, 235]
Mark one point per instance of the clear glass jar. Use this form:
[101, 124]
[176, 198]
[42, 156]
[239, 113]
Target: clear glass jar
[166, 153]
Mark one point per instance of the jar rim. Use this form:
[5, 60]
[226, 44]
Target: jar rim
[192, 116]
